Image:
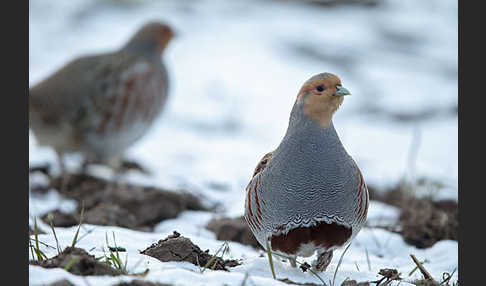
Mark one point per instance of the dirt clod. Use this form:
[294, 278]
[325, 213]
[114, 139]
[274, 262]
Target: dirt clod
[422, 221]
[354, 283]
[60, 219]
[233, 229]
[388, 276]
[79, 262]
[178, 248]
[132, 165]
[389, 273]
[108, 213]
[125, 205]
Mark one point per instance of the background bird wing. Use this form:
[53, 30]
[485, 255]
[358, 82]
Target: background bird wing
[60, 97]
[87, 85]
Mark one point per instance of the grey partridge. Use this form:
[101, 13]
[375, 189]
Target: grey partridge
[101, 104]
[308, 194]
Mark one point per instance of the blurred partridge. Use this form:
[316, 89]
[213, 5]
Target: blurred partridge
[308, 195]
[100, 105]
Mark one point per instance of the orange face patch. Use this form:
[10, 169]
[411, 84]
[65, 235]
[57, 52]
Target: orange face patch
[319, 102]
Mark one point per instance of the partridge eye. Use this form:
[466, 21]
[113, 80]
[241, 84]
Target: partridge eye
[319, 88]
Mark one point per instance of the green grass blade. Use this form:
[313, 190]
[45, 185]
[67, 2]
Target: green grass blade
[115, 260]
[31, 248]
[108, 260]
[49, 217]
[75, 239]
[70, 263]
[416, 267]
[270, 260]
[116, 247]
[213, 257]
[40, 255]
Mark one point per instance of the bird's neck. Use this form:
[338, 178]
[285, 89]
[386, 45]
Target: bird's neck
[304, 133]
[145, 50]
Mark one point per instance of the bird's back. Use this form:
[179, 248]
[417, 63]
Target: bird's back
[99, 104]
[58, 103]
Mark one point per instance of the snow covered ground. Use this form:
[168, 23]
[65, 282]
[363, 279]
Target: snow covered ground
[385, 250]
[236, 67]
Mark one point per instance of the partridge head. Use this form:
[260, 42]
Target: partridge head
[321, 96]
[308, 195]
[152, 38]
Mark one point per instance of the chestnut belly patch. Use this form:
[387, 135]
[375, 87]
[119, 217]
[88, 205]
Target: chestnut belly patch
[322, 234]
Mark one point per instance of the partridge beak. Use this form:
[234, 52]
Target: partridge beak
[341, 91]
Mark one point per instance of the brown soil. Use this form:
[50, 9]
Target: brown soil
[60, 219]
[82, 263]
[427, 282]
[422, 221]
[354, 283]
[233, 229]
[395, 196]
[132, 165]
[389, 275]
[125, 205]
[43, 168]
[125, 166]
[140, 283]
[345, 283]
[178, 248]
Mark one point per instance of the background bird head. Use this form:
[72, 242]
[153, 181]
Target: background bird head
[152, 37]
[321, 96]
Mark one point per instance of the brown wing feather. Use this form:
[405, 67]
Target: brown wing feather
[253, 208]
[263, 163]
